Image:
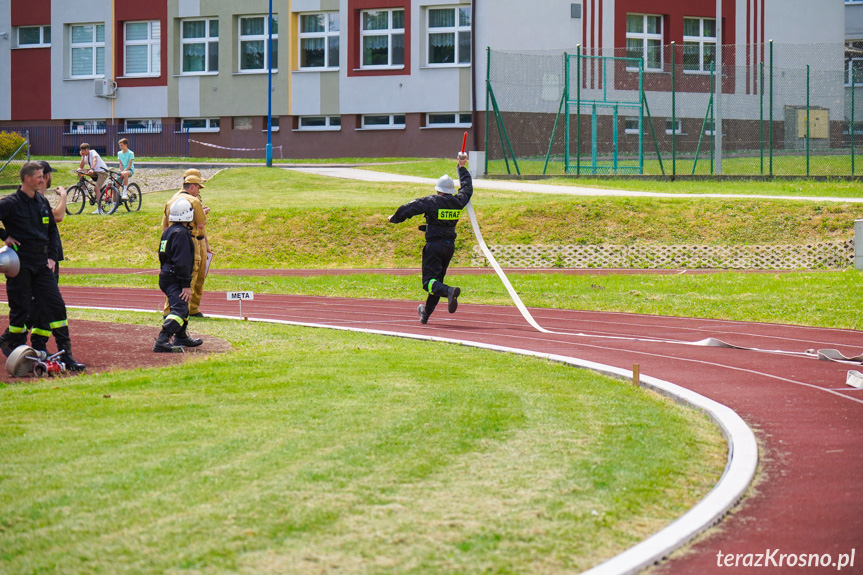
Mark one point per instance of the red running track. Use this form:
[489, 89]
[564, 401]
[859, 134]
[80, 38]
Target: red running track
[809, 423]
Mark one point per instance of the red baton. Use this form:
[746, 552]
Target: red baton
[463, 142]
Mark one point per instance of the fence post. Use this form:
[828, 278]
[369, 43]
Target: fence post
[761, 113]
[771, 107]
[858, 244]
[578, 110]
[851, 127]
[673, 113]
[487, 106]
[808, 119]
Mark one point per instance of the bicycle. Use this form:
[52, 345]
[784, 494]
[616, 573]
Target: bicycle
[78, 195]
[112, 196]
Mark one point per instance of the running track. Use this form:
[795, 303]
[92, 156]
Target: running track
[809, 423]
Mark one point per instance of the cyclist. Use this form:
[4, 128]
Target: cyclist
[96, 167]
[127, 164]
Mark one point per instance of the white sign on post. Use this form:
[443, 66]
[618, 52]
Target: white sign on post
[240, 296]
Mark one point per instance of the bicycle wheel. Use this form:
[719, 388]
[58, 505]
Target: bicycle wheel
[76, 199]
[133, 202]
[109, 199]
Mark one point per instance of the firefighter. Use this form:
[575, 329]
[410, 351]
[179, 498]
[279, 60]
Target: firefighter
[442, 211]
[27, 217]
[176, 259]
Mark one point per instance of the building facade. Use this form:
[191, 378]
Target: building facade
[349, 77]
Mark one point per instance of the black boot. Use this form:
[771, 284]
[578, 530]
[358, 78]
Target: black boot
[39, 342]
[421, 309]
[69, 361]
[6, 344]
[452, 298]
[182, 338]
[163, 344]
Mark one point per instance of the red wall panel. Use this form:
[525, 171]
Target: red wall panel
[136, 11]
[354, 39]
[31, 12]
[31, 84]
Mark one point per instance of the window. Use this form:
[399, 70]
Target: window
[87, 50]
[274, 123]
[199, 40]
[675, 127]
[143, 126]
[858, 128]
[87, 126]
[34, 36]
[384, 122]
[319, 40]
[383, 39]
[448, 120]
[200, 124]
[644, 39]
[699, 44]
[320, 123]
[448, 36]
[143, 48]
[854, 71]
[632, 125]
[254, 56]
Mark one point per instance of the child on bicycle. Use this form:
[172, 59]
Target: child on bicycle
[96, 167]
[127, 164]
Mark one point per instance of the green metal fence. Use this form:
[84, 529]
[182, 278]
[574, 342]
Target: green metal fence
[785, 110]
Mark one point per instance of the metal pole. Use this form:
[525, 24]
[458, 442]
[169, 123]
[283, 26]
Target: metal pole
[269, 90]
[808, 122]
[717, 101]
[761, 114]
[851, 127]
[858, 244]
[771, 108]
[578, 110]
[673, 112]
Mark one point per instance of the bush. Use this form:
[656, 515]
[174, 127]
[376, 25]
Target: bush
[9, 144]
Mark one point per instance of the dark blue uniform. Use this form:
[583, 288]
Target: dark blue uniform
[442, 212]
[31, 222]
[176, 259]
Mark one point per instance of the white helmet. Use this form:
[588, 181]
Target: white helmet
[445, 185]
[181, 211]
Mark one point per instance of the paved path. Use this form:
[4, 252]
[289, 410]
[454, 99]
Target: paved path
[809, 423]
[539, 188]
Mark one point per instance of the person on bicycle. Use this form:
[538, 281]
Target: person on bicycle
[126, 158]
[96, 166]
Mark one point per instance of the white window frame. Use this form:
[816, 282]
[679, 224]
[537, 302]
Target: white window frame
[331, 124]
[210, 68]
[393, 123]
[646, 38]
[210, 125]
[331, 33]
[153, 44]
[44, 37]
[849, 66]
[678, 130]
[275, 124]
[241, 38]
[94, 45]
[460, 120]
[389, 33]
[627, 120]
[151, 126]
[87, 126]
[702, 41]
[455, 31]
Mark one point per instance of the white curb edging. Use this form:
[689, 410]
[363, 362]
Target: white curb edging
[739, 470]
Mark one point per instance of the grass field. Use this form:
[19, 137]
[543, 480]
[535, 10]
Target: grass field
[305, 451]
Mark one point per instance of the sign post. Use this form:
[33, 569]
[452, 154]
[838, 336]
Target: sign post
[240, 296]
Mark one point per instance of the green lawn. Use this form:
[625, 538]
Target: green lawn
[309, 450]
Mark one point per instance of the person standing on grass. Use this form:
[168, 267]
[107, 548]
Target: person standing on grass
[126, 157]
[442, 211]
[176, 258]
[27, 217]
[192, 185]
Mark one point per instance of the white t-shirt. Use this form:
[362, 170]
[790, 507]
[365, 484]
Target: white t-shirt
[95, 161]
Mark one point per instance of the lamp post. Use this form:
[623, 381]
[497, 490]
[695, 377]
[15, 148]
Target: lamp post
[270, 88]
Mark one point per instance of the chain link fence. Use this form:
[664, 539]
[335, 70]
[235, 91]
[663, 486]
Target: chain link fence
[785, 110]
